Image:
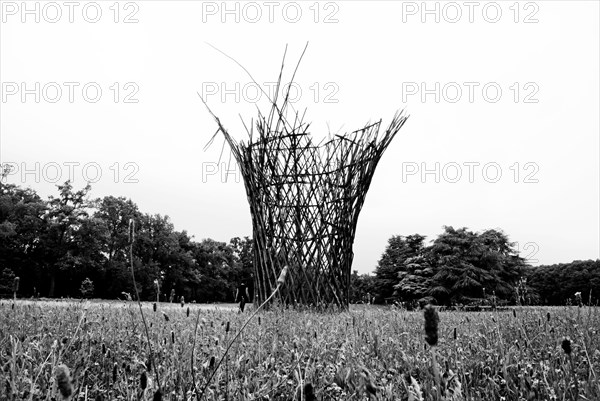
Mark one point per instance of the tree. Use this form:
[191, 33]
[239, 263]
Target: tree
[65, 216]
[114, 215]
[398, 250]
[415, 279]
[156, 250]
[21, 222]
[216, 261]
[243, 261]
[7, 279]
[469, 265]
[362, 287]
[57, 244]
[459, 266]
[557, 284]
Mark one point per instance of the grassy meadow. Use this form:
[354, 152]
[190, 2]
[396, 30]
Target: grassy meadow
[99, 351]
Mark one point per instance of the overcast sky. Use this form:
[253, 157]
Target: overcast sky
[503, 101]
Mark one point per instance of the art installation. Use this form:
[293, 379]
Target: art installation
[305, 199]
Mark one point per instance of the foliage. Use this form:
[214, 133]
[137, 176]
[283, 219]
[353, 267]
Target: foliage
[557, 284]
[22, 214]
[473, 265]
[363, 288]
[87, 288]
[61, 251]
[398, 251]
[55, 244]
[7, 278]
[458, 267]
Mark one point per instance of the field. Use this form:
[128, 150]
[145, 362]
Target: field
[367, 353]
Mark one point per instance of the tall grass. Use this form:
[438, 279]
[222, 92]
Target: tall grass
[106, 351]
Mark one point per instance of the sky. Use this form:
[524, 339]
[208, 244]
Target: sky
[503, 99]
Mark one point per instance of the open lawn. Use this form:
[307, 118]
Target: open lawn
[366, 353]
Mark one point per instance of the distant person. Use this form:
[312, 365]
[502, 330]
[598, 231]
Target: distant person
[241, 295]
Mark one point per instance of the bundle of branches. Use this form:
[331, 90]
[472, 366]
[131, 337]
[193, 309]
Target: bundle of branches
[305, 199]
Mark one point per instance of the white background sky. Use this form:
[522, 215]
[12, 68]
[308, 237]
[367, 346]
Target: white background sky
[371, 58]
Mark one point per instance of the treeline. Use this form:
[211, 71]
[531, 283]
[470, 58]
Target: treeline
[558, 284]
[461, 267]
[73, 246]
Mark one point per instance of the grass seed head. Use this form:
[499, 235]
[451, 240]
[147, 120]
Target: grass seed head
[566, 345]
[578, 299]
[143, 380]
[131, 231]
[431, 325]
[309, 392]
[16, 284]
[282, 275]
[63, 381]
[369, 386]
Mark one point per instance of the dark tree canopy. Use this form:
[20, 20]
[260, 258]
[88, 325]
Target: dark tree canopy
[472, 265]
[557, 284]
[363, 288]
[69, 242]
[392, 262]
[459, 266]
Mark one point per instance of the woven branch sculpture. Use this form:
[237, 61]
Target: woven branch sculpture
[305, 199]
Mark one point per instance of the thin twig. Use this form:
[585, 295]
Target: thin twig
[137, 294]
[199, 397]
[193, 348]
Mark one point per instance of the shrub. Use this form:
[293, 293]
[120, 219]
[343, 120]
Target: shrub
[87, 288]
